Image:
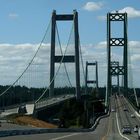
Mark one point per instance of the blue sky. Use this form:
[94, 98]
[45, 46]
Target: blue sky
[25, 21]
[23, 24]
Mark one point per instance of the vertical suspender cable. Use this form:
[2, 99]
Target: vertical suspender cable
[4, 92]
[54, 75]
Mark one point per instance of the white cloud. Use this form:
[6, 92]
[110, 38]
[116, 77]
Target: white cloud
[101, 17]
[98, 52]
[14, 59]
[134, 44]
[132, 13]
[134, 52]
[135, 57]
[133, 48]
[101, 44]
[93, 6]
[13, 15]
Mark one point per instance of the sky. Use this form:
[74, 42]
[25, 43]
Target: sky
[24, 22]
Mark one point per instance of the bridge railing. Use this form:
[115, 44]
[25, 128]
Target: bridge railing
[53, 100]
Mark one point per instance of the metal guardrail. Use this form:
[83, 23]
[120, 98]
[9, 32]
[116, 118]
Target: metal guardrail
[54, 100]
[134, 107]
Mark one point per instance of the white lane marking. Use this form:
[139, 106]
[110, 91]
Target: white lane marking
[137, 114]
[119, 128]
[66, 136]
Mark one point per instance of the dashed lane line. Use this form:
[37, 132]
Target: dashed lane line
[66, 136]
[108, 130]
[119, 128]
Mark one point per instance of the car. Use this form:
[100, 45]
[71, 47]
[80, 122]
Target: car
[132, 116]
[64, 96]
[112, 110]
[22, 109]
[55, 121]
[126, 129]
[139, 133]
[136, 128]
[125, 109]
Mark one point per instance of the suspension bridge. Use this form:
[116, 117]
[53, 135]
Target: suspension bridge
[68, 77]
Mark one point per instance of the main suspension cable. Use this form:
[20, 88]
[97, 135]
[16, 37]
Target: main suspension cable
[62, 52]
[81, 56]
[55, 74]
[28, 63]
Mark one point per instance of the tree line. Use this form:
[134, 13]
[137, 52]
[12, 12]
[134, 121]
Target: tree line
[22, 94]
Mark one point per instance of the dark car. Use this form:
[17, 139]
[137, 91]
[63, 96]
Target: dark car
[22, 109]
[126, 129]
[125, 109]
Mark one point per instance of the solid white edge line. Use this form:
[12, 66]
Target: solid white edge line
[66, 136]
[119, 128]
[138, 115]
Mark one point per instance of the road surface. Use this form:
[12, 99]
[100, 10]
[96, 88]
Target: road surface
[125, 116]
[107, 128]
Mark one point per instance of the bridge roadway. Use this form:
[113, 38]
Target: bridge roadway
[40, 105]
[101, 133]
[125, 118]
[53, 101]
[107, 128]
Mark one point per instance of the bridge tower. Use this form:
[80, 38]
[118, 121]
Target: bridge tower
[116, 70]
[96, 75]
[117, 42]
[65, 59]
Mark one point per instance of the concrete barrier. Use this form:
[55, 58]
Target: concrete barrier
[98, 120]
[136, 111]
[5, 133]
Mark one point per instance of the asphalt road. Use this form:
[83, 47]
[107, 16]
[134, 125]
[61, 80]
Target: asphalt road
[125, 118]
[113, 133]
[99, 134]
[107, 128]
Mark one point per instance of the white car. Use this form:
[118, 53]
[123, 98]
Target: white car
[112, 110]
[136, 128]
[132, 116]
[139, 133]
